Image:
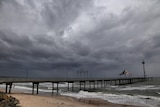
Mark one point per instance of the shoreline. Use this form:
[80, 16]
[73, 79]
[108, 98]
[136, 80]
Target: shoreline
[29, 100]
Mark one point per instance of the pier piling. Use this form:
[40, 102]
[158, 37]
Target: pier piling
[33, 84]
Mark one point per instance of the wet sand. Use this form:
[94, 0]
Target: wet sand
[28, 100]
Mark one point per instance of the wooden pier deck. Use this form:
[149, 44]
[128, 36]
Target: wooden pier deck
[92, 83]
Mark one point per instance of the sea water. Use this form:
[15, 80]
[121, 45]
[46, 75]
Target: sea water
[145, 94]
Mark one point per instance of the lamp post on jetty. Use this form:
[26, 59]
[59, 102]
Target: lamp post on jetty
[82, 74]
[144, 68]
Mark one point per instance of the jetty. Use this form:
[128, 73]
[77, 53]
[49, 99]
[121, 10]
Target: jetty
[83, 84]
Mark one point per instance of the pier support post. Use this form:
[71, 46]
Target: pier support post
[57, 87]
[37, 87]
[6, 88]
[130, 81]
[72, 86]
[33, 84]
[119, 82]
[97, 84]
[32, 88]
[104, 84]
[101, 84]
[52, 88]
[68, 86]
[89, 83]
[80, 85]
[10, 87]
[115, 82]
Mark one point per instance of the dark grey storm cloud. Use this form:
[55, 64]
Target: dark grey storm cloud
[57, 38]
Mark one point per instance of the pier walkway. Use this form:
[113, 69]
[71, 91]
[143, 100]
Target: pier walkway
[91, 83]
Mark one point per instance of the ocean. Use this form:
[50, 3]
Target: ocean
[145, 94]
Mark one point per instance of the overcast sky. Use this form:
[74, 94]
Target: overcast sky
[56, 38]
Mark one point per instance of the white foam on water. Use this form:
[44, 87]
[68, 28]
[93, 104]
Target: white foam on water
[146, 87]
[113, 86]
[22, 88]
[158, 92]
[24, 84]
[146, 101]
[49, 85]
[2, 86]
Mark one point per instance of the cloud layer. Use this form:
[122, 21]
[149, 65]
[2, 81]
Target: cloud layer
[56, 38]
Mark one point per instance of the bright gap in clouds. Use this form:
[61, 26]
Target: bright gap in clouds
[117, 6]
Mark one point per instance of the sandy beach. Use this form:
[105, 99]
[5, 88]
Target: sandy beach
[27, 100]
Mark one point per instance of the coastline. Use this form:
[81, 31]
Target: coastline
[29, 100]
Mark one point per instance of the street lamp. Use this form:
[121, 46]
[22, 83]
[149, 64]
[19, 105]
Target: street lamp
[144, 68]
